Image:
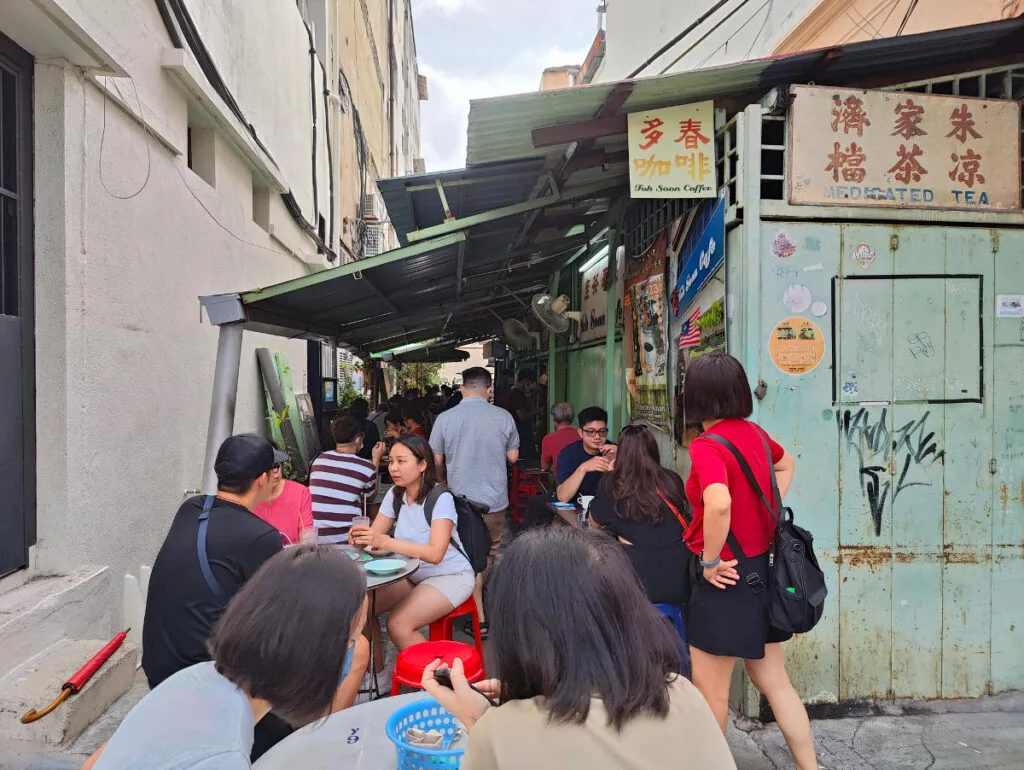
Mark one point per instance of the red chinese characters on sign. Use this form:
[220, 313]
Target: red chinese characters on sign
[848, 162]
[604, 279]
[652, 133]
[908, 120]
[652, 167]
[690, 135]
[962, 122]
[907, 166]
[966, 168]
[849, 115]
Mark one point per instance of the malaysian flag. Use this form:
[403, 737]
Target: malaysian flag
[690, 335]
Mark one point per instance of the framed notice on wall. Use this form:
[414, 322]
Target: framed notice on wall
[903, 150]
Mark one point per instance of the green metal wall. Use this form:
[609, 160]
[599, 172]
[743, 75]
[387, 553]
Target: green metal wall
[584, 378]
[908, 437]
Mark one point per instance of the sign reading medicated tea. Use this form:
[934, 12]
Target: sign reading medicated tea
[672, 152]
[903, 150]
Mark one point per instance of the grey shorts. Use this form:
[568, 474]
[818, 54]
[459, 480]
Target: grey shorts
[456, 587]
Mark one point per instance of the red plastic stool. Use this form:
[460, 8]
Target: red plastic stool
[412, 661]
[442, 628]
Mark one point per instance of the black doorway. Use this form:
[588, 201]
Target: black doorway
[17, 338]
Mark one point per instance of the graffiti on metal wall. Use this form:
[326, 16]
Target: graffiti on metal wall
[913, 448]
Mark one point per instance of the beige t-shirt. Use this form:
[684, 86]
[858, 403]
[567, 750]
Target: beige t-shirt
[518, 736]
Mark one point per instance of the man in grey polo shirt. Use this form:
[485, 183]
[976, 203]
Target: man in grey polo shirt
[474, 441]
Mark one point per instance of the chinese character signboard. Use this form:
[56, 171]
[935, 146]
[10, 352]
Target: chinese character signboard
[672, 152]
[645, 340]
[904, 150]
[700, 258]
[594, 307]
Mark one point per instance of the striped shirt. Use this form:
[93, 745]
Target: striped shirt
[338, 485]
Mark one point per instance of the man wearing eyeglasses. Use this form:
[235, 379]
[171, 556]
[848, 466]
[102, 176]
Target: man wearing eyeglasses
[581, 464]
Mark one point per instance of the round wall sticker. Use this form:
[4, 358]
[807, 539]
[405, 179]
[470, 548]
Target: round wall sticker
[796, 345]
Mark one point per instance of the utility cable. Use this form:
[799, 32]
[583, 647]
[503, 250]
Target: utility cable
[906, 18]
[728, 39]
[671, 43]
[768, 15]
[103, 138]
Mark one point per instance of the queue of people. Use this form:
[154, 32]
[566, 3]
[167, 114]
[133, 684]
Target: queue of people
[229, 606]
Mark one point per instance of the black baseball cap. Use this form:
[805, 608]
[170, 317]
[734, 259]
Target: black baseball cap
[246, 457]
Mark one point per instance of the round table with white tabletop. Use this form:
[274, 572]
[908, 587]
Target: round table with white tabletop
[353, 739]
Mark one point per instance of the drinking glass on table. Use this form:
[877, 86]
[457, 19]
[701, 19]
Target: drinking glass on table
[361, 521]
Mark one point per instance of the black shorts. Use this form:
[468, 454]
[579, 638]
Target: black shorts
[732, 622]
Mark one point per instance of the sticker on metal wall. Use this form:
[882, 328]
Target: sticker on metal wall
[850, 390]
[863, 255]
[796, 345]
[819, 308]
[1010, 306]
[797, 298]
[783, 246]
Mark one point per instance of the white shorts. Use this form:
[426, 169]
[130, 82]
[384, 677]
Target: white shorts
[456, 587]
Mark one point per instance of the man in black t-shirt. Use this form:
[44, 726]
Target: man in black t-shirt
[582, 464]
[519, 404]
[181, 606]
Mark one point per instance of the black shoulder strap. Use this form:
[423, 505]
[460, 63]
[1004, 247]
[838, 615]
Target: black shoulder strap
[749, 473]
[204, 561]
[428, 512]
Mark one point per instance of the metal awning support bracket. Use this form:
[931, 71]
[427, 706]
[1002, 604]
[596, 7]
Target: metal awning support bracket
[444, 201]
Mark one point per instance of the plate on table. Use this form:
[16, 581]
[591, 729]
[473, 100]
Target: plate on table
[377, 553]
[384, 566]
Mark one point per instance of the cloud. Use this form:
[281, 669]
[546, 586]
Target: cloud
[447, 7]
[475, 49]
[446, 113]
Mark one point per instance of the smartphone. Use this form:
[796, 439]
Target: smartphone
[443, 677]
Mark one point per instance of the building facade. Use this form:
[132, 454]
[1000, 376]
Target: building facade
[154, 152]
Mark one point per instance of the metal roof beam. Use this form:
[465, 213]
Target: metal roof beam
[306, 281]
[510, 211]
[421, 187]
[567, 133]
[460, 262]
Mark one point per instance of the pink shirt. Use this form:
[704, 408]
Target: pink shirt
[555, 442]
[290, 512]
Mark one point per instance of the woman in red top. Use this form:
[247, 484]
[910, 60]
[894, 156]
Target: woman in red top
[727, 616]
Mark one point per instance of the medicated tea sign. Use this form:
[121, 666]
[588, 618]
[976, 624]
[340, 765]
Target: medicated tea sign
[672, 152]
[903, 150]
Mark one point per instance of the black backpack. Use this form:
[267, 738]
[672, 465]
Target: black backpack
[796, 587]
[472, 530]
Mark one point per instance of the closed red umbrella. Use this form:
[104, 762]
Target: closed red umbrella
[77, 680]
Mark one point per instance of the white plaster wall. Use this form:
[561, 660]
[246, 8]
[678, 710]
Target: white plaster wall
[407, 100]
[125, 366]
[124, 362]
[638, 28]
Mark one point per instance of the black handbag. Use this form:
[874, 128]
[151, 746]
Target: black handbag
[795, 591]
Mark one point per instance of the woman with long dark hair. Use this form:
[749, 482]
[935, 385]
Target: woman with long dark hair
[588, 672]
[286, 640]
[446, 578]
[644, 507]
[727, 615]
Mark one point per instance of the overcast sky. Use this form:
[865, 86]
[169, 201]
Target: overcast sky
[472, 49]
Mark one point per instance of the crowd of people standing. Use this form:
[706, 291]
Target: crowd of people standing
[649, 565]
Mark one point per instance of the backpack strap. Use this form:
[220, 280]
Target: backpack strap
[428, 512]
[204, 561]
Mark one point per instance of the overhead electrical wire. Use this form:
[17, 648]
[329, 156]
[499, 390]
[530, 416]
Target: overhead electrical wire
[733, 35]
[767, 16]
[906, 18]
[671, 43]
[722, 21]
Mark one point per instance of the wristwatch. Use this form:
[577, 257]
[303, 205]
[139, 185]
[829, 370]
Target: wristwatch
[709, 564]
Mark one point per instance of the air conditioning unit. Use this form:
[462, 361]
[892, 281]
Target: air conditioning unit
[371, 207]
[419, 166]
[421, 87]
[373, 240]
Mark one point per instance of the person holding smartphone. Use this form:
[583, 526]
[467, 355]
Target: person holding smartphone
[570, 696]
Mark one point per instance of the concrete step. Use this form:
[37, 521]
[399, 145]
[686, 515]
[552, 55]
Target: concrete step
[46, 610]
[38, 681]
